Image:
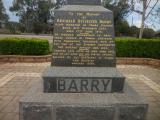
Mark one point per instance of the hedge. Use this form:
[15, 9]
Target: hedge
[132, 47]
[24, 46]
[125, 47]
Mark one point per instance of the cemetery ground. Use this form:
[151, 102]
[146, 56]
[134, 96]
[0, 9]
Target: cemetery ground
[17, 78]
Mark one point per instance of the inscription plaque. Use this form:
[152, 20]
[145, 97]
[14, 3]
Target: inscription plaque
[84, 39]
[79, 85]
[84, 2]
[83, 80]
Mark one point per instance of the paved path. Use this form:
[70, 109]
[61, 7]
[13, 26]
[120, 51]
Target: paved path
[17, 78]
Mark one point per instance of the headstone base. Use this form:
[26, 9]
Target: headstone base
[36, 105]
[83, 80]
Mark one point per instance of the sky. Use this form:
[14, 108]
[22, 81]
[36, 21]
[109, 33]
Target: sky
[12, 16]
[136, 18]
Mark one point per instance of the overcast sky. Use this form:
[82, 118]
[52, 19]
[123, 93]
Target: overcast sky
[135, 17]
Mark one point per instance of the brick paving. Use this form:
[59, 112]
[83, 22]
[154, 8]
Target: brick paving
[17, 78]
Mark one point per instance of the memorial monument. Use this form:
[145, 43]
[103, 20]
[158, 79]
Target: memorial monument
[83, 82]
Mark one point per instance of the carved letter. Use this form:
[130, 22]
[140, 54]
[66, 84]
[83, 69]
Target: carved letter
[84, 85]
[73, 86]
[94, 85]
[61, 85]
[105, 84]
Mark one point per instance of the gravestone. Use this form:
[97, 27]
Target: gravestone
[83, 38]
[83, 82]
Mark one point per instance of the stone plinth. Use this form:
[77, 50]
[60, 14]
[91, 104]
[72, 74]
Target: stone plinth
[36, 105]
[83, 79]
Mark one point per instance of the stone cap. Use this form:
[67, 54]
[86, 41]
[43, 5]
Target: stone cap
[87, 8]
[84, 2]
[88, 72]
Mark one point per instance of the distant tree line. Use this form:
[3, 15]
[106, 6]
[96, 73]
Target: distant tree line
[33, 14]
[123, 29]
[121, 10]
[37, 16]
[150, 10]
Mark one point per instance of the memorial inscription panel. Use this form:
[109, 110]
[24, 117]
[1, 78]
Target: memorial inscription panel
[79, 85]
[83, 39]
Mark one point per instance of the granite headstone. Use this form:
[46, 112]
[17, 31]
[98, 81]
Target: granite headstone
[83, 37]
[84, 64]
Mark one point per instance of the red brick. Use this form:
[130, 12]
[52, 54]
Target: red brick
[121, 61]
[138, 61]
[13, 59]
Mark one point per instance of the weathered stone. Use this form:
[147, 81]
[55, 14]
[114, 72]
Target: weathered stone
[84, 2]
[130, 112]
[85, 113]
[93, 106]
[83, 79]
[37, 112]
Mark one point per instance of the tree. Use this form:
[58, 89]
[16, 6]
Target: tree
[32, 12]
[148, 33]
[38, 27]
[146, 11]
[120, 8]
[122, 28]
[3, 15]
[134, 31]
[59, 3]
[13, 27]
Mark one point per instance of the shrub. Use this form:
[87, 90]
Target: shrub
[132, 47]
[122, 28]
[24, 46]
[148, 33]
[125, 47]
[134, 31]
[5, 31]
[13, 27]
[38, 27]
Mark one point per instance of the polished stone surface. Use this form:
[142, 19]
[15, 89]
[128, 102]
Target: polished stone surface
[83, 80]
[82, 72]
[84, 37]
[116, 106]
